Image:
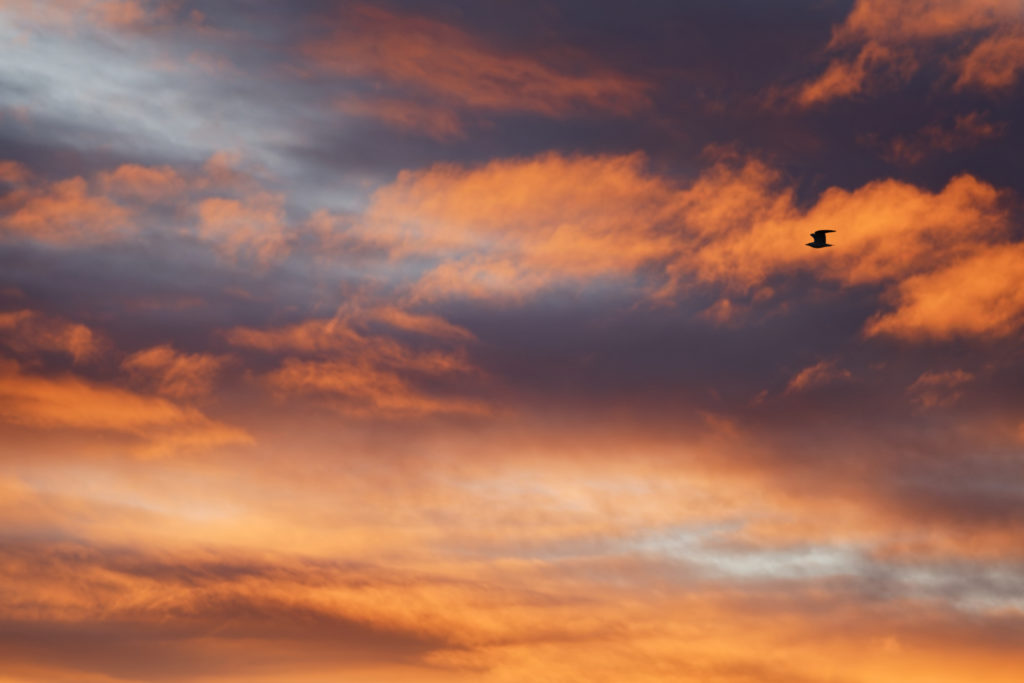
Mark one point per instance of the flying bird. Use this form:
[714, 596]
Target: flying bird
[819, 239]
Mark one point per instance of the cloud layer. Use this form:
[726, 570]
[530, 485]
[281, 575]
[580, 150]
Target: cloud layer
[479, 342]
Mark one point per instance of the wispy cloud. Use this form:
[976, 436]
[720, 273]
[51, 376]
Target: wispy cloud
[70, 402]
[453, 70]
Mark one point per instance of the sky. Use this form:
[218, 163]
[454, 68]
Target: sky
[408, 341]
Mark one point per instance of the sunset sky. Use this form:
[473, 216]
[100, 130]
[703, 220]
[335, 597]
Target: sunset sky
[477, 341]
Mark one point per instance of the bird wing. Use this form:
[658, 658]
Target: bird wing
[820, 234]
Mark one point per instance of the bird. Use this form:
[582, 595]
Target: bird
[819, 239]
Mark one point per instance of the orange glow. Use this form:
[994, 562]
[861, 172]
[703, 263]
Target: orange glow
[461, 342]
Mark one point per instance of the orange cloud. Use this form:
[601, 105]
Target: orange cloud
[460, 70]
[915, 242]
[431, 325]
[500, 558]
[439, 122]
[73, 403]
[121, 13]
[498, 621]
[14, 173]
[254, 228]
[512, 227]
[846, 78]
[64, 212]
[26, 332]
[823, 372]
[230, 209]
[216, 602]
[367, 389]
[893, 38]
[888, 230]
[978, 295]
[173, 373]
[967, 130]
[920, 19]
[148, 183]
[310, 336]
[995, 63]
[360, 373]
[224, 171]
[935, 389]
[74, 15]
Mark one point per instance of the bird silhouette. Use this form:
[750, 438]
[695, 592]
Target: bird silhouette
[819, 239]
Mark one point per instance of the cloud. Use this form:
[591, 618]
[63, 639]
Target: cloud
[230, 616]
[310, 336]
[232, 209]
[61, 14]
[747, 223]
[121, 13]
[821, 373]
[431, 325]
[459, 71]
[251, 228]
[366, 374]
[14, 173]
[226, 207]
[70, 402]
[889, 41]
[65, 213]
[223, 172]
[976, 296]
[26, 332]
[510, 228]
[362, 388]
[921, 19]
[938, 389]
[174, 609]
[173, 373]
[995, 63]
[524, 448]
[966, 131]
[437, 121]
[78, 15]
[502, 557]
[874, 64]
[147, 183]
